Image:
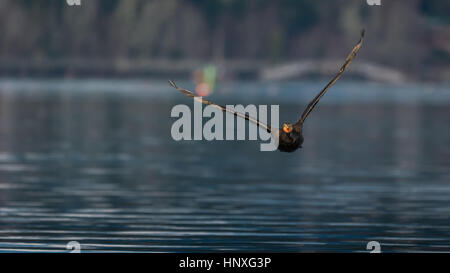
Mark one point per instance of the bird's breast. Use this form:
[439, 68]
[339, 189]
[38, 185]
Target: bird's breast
[289, 142]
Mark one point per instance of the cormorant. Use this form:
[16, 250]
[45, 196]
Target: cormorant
[290, 137]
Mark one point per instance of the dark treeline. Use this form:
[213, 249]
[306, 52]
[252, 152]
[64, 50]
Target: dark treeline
[411, 35]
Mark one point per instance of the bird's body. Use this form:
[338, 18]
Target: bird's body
[290, 142]
[290, 137]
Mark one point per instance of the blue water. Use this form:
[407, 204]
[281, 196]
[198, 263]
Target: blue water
[92, 161]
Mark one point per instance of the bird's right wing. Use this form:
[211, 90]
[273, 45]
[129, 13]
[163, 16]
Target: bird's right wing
[207, 102]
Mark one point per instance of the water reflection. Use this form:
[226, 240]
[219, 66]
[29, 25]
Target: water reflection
[99, 167]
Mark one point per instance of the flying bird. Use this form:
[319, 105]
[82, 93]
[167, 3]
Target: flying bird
[290, 137]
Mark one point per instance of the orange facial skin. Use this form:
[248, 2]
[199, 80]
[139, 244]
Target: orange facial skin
[287, 128]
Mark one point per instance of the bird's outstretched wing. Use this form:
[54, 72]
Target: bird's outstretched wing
[324, 90]
[244, 116]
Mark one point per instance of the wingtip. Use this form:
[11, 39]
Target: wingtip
[361, 38]
[172, 83]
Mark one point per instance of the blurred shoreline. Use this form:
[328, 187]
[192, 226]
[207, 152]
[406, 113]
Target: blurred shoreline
[228, 70]
[347, 91]
[405, 41]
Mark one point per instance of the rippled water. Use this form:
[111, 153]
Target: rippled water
[93, 162]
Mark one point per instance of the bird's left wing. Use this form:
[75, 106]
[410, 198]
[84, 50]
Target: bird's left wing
[313, 103]
[207, 102]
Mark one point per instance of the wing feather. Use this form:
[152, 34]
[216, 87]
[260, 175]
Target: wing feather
[207, 102]
[313, 103]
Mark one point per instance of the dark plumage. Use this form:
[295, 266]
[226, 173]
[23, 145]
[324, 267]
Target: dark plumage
[290, 137]
[290, 142]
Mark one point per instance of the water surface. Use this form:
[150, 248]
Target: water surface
[93, 161]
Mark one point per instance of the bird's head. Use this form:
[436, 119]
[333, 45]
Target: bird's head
[287, 127]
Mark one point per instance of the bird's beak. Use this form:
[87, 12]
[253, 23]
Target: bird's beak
[287, 129]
